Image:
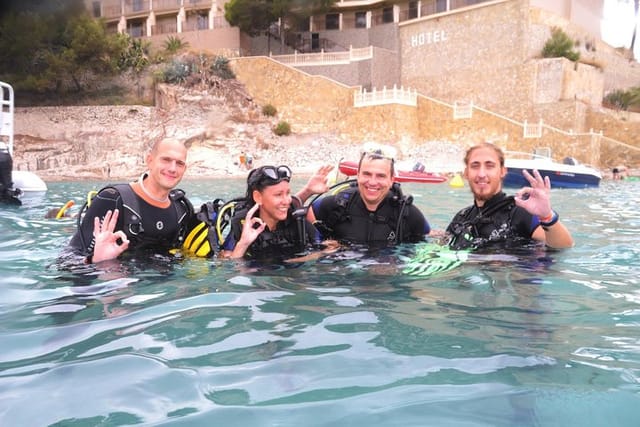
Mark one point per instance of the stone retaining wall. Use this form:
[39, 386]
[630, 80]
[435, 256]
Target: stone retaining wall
[313, 103]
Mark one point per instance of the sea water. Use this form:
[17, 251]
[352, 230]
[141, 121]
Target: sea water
[533, 338]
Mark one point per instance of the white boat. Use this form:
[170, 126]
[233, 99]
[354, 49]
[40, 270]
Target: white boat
[568, 174]
[17, 183]
[28, 182]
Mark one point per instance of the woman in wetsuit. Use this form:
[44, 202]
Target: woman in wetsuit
[271, 222]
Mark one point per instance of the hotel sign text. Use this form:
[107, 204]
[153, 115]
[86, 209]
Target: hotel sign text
[428, 38]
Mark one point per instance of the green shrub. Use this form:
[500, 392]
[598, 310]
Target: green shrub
[560, 45]
[177, 72]
[282, 129]
[269, 110]
[624, 99]
[618, 99]
[220, 68]
[174, 44]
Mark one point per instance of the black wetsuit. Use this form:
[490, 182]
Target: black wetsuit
[498, 221]
[345, 217]
[152, 229]
[8, 194]
[291, 237]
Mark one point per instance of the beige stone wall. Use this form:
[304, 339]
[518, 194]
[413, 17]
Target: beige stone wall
[437, 123]
[385, 68]
[222, 41]
[380, 71]
[307, 102]
[620, 127]
[312, 103]
[384, 36]
[619, 71]
[490, 55]
[558, 79]
[473, 54]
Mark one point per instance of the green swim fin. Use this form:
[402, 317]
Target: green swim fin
[431, 259]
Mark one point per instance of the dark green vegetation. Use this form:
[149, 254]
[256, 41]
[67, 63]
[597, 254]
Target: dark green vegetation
[282, 129]
[193, 69]
[269, 110]
[624, 99]
[55, 53]
[256, 16]
[560, 45]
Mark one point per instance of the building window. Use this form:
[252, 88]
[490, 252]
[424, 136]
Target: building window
[135, 29]
[202, 22]
[137, 5]
[333, 21]
[96, 9]
[361, 19]
[387, 15]
[441, 6]
[304, 24]
[413, 9]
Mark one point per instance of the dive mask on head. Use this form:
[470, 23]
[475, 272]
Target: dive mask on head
[270, 175]
[375, 150]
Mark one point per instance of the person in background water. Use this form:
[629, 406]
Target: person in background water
[146, 215]
[496, 217]
[375, 212]
[272, 223]
[615, 174]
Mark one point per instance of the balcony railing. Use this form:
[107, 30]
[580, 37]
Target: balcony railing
[164, 28]
[136, 6]
[110, 12]
[197, 4]
[162, 5]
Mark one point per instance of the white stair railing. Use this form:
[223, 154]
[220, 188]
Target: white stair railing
[396, 95]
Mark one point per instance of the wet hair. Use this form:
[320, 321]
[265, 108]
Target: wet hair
[485, 144]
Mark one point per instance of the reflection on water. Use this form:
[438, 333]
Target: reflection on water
[529, 338]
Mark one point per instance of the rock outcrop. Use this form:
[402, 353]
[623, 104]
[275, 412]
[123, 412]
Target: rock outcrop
[104, 142]
[219, 123]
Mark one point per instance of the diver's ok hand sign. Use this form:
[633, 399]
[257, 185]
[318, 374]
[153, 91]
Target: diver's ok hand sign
[106, 244]
[251, 229]
[253, 226]
[536, 199]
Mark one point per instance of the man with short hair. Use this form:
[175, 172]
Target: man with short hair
[148, 214]
[375, 212]
[494, 216]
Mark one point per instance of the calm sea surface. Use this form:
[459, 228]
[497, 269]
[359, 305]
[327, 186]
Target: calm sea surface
[532, 338]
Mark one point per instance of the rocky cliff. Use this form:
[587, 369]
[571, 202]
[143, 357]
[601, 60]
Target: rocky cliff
[218, 123]
[110, 142]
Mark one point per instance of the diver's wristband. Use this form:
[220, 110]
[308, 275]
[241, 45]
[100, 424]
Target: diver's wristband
[549, 221]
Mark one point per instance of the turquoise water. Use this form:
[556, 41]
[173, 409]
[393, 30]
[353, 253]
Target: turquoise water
[531, 338]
